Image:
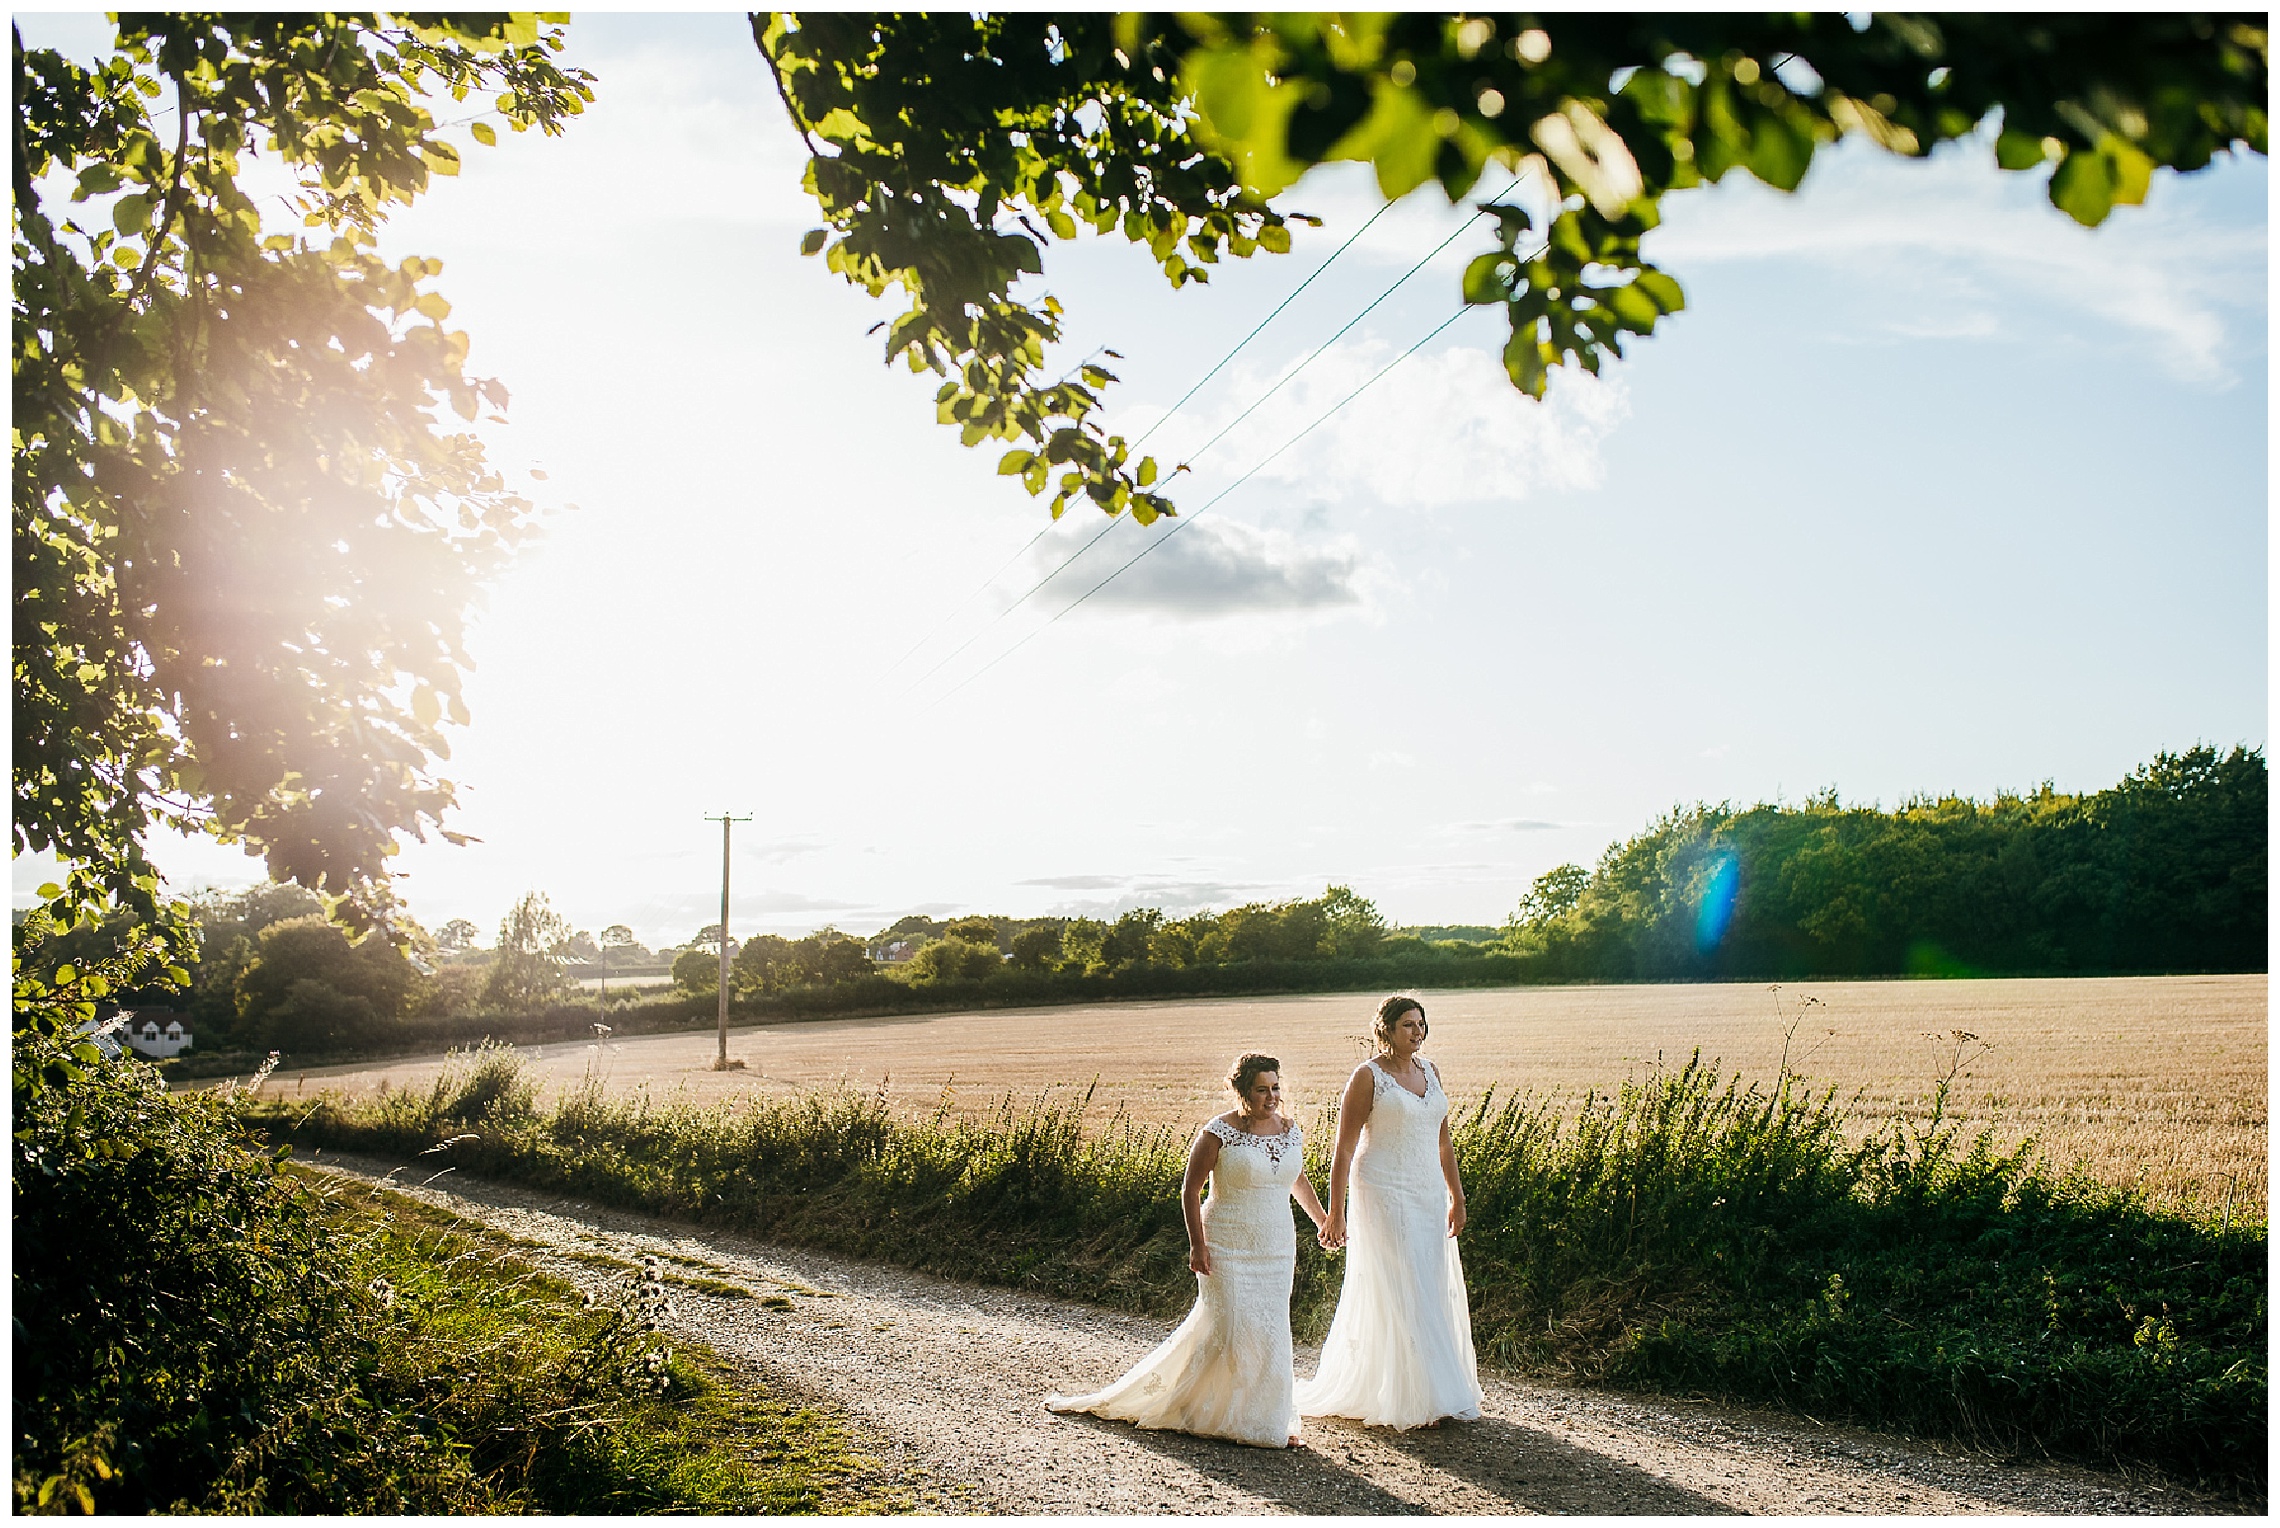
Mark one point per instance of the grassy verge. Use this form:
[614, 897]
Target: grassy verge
[1688, 1233]
[560, 1405]
[201, 1328]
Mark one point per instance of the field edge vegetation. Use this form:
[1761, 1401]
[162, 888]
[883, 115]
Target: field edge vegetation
[1690, 1232]
[202, 1326]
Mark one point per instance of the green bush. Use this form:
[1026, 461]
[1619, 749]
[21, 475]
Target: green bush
[308, 988]
[186, 1338]
[953, 959]
[200, 1330]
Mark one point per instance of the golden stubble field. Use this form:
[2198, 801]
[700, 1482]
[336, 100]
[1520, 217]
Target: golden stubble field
[2155, 1080]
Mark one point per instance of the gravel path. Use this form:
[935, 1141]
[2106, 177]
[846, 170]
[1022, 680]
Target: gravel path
[945, 1381]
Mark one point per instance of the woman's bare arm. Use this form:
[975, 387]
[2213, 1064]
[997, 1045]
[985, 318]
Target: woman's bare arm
[1202, 1158]
[1353, 1114]
[1449, 1174]
[1303, 1191]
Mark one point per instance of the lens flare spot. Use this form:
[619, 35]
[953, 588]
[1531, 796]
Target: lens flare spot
[1717, 907]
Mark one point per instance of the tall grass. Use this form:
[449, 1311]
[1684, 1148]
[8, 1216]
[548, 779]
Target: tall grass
[1690, 1232]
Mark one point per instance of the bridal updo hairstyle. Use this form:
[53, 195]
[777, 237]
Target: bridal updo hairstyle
[1246, 1071]
[1389, 1014]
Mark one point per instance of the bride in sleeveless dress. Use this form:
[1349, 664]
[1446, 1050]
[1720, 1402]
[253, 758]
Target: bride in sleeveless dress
[1226, 1373]
[1400, 1349]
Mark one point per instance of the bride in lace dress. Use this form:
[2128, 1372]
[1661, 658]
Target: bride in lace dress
[1400, 1350]
[1226, 1373]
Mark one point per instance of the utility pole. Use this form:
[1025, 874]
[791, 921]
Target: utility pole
[720, 1064]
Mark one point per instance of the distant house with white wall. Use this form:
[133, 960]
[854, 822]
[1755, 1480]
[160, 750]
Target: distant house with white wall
[895, 951]
[157, 1034]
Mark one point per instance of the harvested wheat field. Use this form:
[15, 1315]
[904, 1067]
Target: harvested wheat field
[2152, 1080]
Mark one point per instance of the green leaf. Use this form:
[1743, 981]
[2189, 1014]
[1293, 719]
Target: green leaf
[1666, 292]
[2083, 186]
[131, 214]
[1489, 277]
[484, 134]
[1015, 462]
[1632, 308]
[2019, 151]
[66, 974]
[1780, 152]
[49, 891]
[1524, 363]
[813, 240]
[1146, 477]
[1398, 136]
[1243, 114]
[96, 180]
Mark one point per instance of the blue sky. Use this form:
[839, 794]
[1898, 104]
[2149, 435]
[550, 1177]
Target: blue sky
[1929, 490]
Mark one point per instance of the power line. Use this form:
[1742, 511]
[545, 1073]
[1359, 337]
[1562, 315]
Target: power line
[1282, 382]
[1351, 239]
[1188, 520]
[951, 614]
[1285, 380]
[1184, 399]
[988, 626]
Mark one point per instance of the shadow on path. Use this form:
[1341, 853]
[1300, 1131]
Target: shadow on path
[1304, 1480]
[1535, 1472]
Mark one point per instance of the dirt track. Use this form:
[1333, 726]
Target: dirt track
[944, 1382]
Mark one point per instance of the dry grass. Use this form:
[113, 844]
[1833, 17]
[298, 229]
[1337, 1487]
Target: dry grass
[2153, 1080]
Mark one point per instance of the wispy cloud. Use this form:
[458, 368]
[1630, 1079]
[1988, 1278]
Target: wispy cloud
[1947, 247]
[1172, 895]
[1202, 569]
[1506, 825]
[1446, 428]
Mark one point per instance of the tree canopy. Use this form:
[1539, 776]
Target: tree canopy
[2167, 870]
[249, 519]
[950, 149]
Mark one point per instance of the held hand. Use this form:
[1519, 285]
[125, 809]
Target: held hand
[1456, 1216]
[1199, 1259]
[1331, 1233]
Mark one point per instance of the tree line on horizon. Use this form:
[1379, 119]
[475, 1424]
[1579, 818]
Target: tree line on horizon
[2163, 872]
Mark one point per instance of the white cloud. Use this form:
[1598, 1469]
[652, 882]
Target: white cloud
[1444, 428]
[1202, 568]
[1175, 899]
[1947, 245]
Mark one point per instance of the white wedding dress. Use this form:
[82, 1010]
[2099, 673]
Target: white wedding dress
[1226, 1373]
[1400, 1349]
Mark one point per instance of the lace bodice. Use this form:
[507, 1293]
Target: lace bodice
[1275, 1146]
[1226, 1372]
[1402, 1140]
